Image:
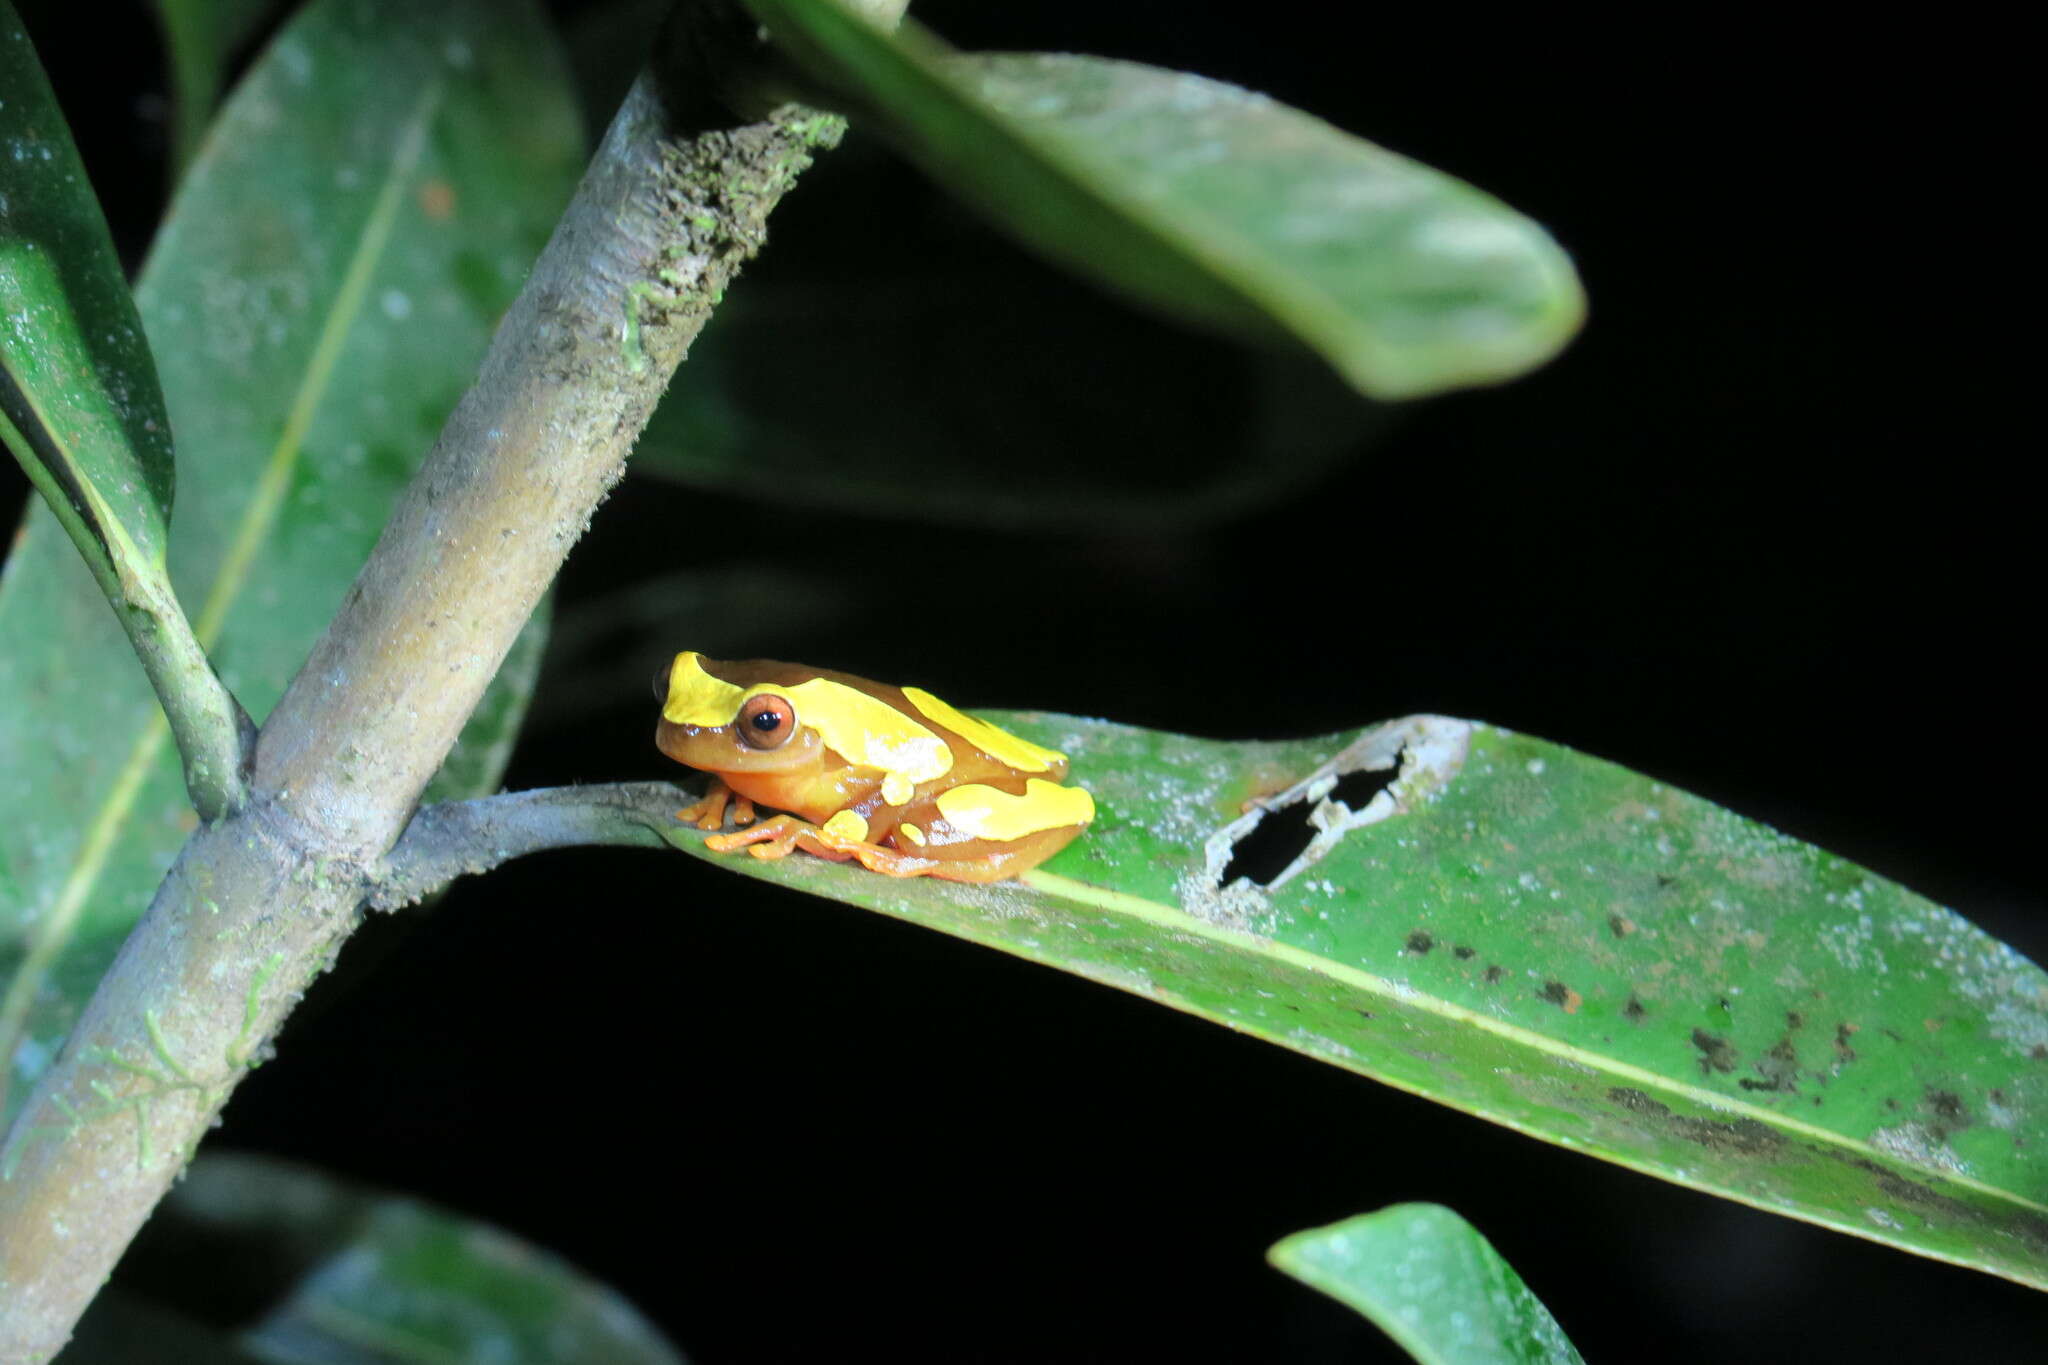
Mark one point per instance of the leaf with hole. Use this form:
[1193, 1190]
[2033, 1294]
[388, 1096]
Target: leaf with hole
[1213, 203]
[319, 297]
[1554, 943]
[1428, 1280]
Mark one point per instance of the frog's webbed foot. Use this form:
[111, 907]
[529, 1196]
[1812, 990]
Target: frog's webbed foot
[709, 813]
[777, 838]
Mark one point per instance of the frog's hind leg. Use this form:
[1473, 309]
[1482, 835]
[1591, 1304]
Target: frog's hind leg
[778, 837]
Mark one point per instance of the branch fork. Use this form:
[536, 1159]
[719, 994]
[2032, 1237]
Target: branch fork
[259, 901]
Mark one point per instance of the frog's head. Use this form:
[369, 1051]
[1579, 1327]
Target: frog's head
[734, 717]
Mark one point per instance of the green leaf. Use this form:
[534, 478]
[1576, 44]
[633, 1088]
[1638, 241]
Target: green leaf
[81, 408]
[1213, 203]
[79, 401]
[200, 36]
[375, 1279]
[911, 402]
[1559, 945]
[319, 298]
[1428, 1280]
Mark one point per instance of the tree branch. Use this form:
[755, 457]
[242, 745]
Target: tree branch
[460, 838]
[258, 903]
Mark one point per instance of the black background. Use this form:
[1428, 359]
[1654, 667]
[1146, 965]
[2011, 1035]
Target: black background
[1766, 531]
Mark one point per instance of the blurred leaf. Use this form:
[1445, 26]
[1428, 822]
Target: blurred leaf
[352, 1276]
[1556, 944]
[1213, 203]
[201, 35]
[79, 401]
[952, 392]
[1428, 1280]
[318, 299]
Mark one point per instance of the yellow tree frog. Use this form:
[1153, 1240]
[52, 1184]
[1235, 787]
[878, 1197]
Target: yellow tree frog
[889, 775]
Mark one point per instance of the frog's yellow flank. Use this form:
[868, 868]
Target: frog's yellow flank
[891, 776]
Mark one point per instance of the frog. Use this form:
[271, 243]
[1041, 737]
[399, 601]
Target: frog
[892, 777]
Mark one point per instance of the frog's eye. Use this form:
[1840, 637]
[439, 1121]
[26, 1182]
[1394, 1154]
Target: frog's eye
[766, 721]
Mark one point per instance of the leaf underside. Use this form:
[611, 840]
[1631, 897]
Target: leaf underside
[1213, 203]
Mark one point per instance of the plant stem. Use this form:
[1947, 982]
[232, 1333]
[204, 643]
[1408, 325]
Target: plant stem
[215, 737]
[259, 902]
[461, 838]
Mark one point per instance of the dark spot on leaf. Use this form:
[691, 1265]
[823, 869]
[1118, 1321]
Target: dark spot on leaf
[1492, 975]
[1726, 1008]
[1621, 926]
[1636, 1102]
[1664, 881]
[1843, 1052]
[1363, 1014]
[1891, 1104]
[1715, 1054]
[1997, 1095]
[1633, 1011]
[1947, 1110]
[2031, 1229]
[1561, 995]
[1464, 954]
[2038, 1051]
[1420, 942]
[1743, 1137]
[1794, 1019]
[1778, 1068]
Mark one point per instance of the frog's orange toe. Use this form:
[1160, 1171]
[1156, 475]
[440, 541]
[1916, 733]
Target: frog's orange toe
[771, 840]
[709, 813]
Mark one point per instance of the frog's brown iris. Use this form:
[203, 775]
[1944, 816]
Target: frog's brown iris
[766, 721]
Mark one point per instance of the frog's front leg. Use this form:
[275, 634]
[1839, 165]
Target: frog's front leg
[778, 837]
[709, 813]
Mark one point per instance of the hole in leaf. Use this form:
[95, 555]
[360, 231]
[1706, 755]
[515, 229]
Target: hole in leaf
[1273, 843]
[1356, 790]
[1276, 841]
